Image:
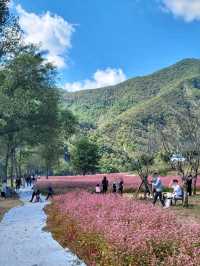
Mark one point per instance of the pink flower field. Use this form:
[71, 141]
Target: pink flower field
[90, 181]
[114, 230]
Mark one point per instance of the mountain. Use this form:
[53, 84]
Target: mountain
[115, 113]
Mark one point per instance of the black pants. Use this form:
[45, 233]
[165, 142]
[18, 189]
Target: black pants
[158, 195]
[50, 195]
[33, 195]
[105, 189]
[3, 194]
[189, 189]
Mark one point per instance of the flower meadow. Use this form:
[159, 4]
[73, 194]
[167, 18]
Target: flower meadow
[131, 182]
[111, 230]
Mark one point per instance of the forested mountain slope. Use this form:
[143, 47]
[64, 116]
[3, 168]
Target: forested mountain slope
[102, 104]
[118, 113]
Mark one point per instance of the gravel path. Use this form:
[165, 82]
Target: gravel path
[23, 243]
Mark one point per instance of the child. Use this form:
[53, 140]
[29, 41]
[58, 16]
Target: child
[97, 189]
[114, 188]
[37, 196]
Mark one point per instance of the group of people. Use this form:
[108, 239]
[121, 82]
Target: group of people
[178, 193]
[36, 194]
[25, 181]
[117, 186]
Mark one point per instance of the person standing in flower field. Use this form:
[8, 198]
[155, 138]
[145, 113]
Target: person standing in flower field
[157, 187]
[105, 184]
[114, 187]
[121, 186]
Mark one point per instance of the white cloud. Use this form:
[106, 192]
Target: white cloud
[189, 10]
[101, 78]
[52, 32]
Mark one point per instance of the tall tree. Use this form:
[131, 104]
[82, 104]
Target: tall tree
[29, 101]
[84, 156]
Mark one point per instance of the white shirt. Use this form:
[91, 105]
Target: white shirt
[98, 189]
[177, 190]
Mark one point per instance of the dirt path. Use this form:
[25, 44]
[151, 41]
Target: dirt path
[23, 243]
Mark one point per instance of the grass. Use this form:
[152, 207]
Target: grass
[6, 205]
[192, 213]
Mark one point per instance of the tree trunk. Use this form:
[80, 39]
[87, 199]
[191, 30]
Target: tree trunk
[6, 165]
[146, 185]
[195, 185]
[15, 164]
[12, 168]
[185, 194]
[47, 173]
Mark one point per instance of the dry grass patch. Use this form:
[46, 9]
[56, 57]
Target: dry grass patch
[6, 205]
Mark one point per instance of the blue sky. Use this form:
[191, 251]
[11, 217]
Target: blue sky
[96, 43]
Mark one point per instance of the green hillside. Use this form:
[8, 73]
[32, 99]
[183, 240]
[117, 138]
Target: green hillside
[117, 113]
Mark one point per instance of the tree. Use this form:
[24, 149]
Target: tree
[84, 156]
[29, 103]
[143, 156]
[143, 167]
[10, 32]
[56, 137]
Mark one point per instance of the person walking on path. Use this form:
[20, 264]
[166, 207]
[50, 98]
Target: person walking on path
[34, 188]
[37, 196]
[50, 193]
[105, 184]
[18, 183]
[158, 189]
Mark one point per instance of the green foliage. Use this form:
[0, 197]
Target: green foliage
[120, 116]
[84, 156]
[10, 32]
[30, 113]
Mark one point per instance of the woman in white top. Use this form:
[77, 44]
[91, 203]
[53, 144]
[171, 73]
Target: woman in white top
[177, 190]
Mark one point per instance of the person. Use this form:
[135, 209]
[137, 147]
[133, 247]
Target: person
[33, 179]
[37, 196]
[29, 181]
[114, 188]
[4, 190]
[105, 184]
[157, 187]
[26, 180]
[177, 190]
[97, 189]
[18, 183]
[189, 185]
[50, 193]
[121, 186]
[34, 188]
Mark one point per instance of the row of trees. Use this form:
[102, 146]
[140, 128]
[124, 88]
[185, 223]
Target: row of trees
[32, 119]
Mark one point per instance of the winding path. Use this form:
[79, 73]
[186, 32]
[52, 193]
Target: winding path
[24, 243]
